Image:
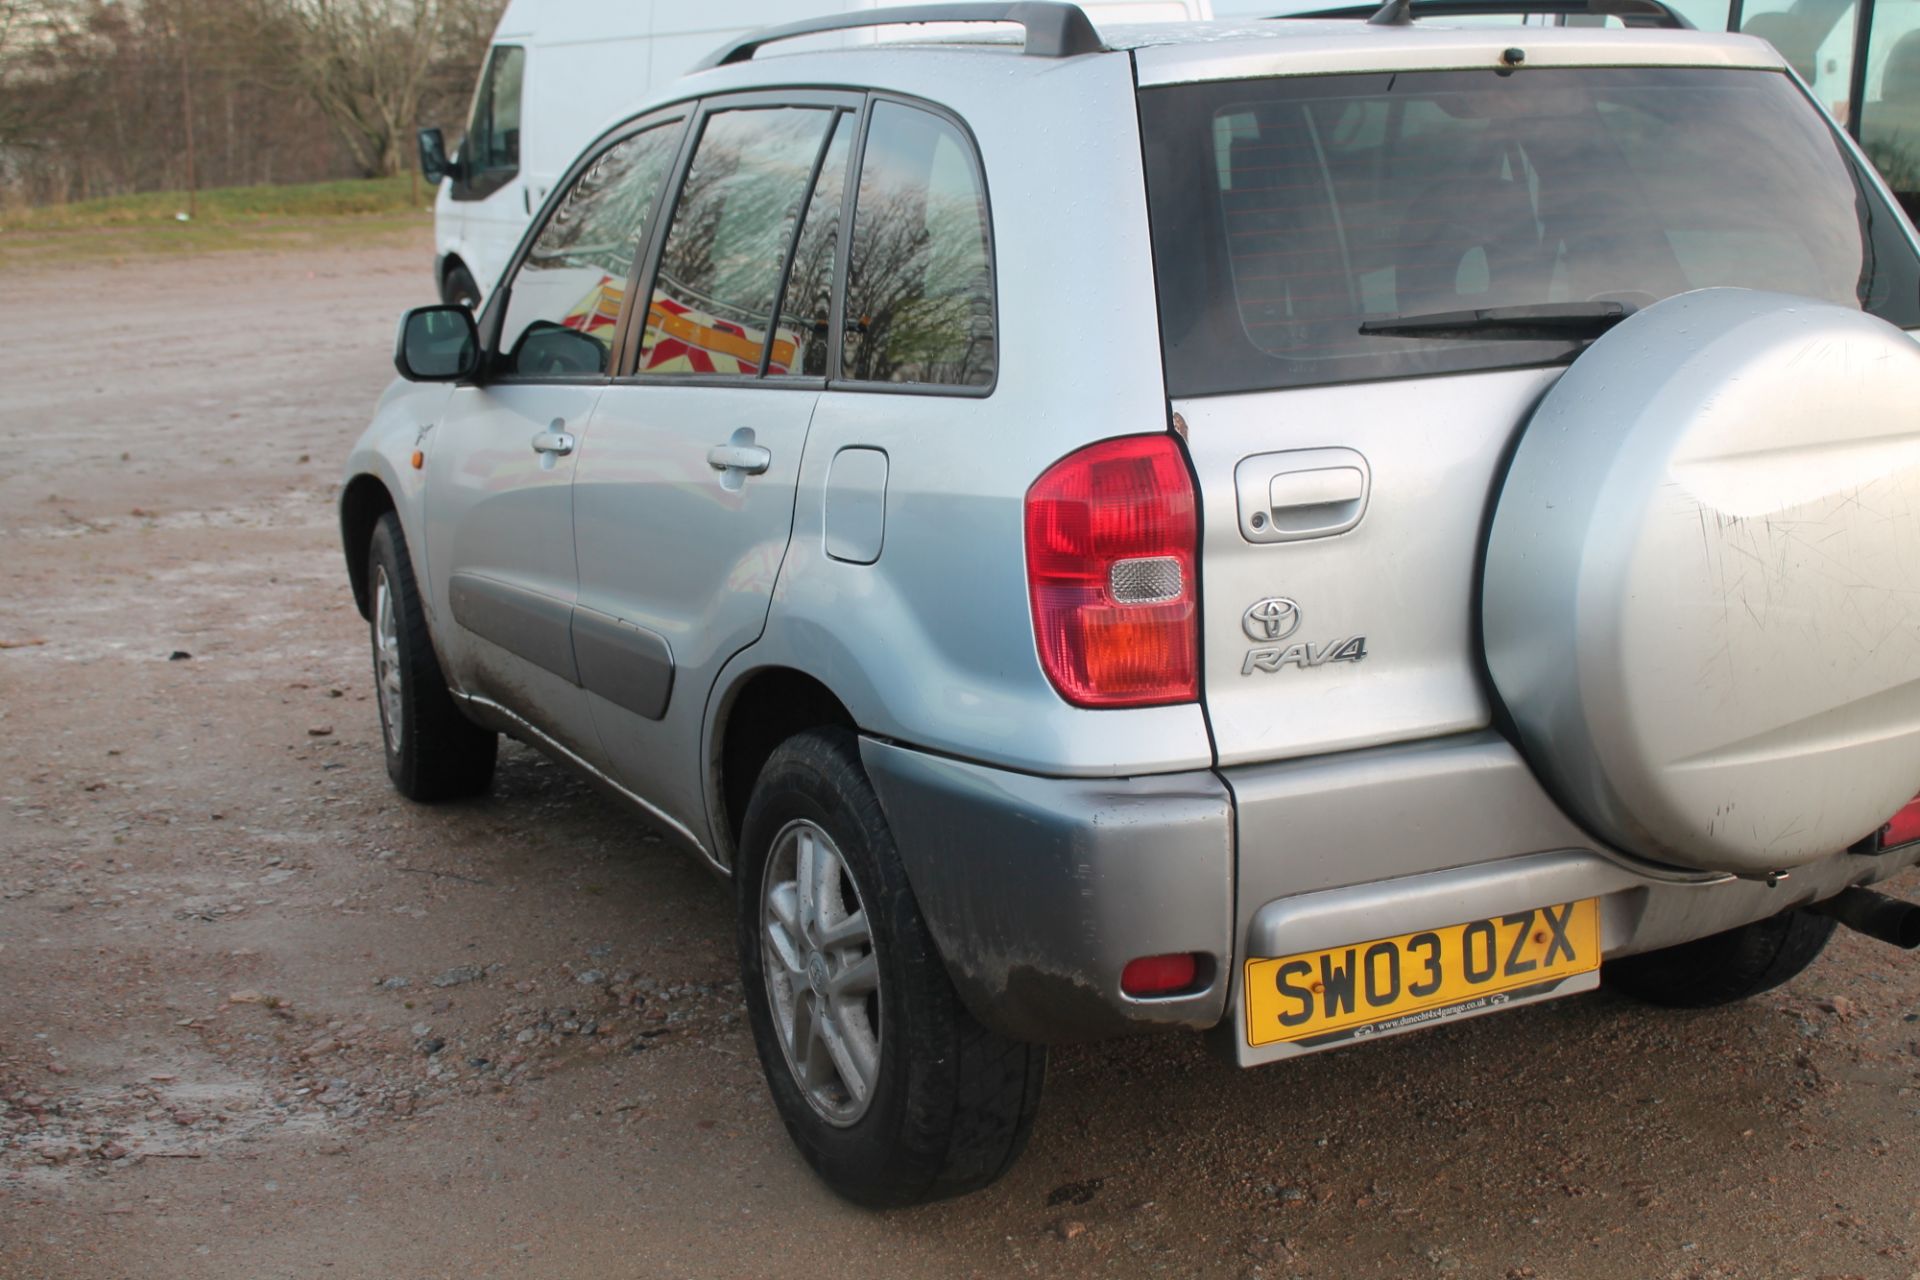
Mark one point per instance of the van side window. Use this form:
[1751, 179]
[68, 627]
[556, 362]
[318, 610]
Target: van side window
[806, 310]
[712, 304]
[920, 277]
[490, 156]
[564, 301]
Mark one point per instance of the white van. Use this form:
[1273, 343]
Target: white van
[559, 70]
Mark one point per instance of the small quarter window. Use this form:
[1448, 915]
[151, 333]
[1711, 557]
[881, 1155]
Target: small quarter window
[920, 279]
[806, 312]
[565, 300]
[720, 270]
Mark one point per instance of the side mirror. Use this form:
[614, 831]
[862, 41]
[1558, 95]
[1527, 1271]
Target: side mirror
[434, 164]
[437, 344]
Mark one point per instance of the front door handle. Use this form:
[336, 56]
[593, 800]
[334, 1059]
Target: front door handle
[553, 444]
[748, 459]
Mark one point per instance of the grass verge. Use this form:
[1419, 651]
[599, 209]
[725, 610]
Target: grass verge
[266, 217]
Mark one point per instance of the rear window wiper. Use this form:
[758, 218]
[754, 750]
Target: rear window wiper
[1533, 322]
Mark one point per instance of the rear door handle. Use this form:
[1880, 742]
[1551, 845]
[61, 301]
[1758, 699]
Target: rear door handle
[748, 459]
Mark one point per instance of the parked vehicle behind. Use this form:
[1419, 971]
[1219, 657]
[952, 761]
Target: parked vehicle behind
[1299, 532]
[559, 71]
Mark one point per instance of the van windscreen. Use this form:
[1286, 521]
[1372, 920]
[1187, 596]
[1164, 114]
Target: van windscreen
[1288, 212]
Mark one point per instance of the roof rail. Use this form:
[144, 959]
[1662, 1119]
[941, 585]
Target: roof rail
[1053, 30]
[1631, 13]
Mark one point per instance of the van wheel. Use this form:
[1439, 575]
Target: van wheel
[457, 287]
[433, 751]
[891, 1090]
[1726, 967]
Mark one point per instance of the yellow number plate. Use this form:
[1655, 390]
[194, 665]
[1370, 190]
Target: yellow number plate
[1379, 985]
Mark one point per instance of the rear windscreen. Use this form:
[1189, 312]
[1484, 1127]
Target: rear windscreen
[1287, 211]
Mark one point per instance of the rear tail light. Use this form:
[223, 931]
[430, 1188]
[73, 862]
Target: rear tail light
[1161, 975]
[1110, 566]
[1904, 827]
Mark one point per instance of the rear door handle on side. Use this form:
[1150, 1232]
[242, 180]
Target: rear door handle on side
[750, 459]
[739, 458]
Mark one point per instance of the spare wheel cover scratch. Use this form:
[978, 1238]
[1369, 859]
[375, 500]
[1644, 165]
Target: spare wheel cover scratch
[1702, 591]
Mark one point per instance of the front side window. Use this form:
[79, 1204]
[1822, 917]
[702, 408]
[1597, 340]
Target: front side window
[564, 302]
[1288, 213]
[490, 156]
[712, 305]
[919, 303]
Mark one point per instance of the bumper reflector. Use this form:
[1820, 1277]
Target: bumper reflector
[1160, 975]
[1903, 828]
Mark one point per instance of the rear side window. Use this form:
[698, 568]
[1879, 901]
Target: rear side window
[919, 305]
[1286, 212]
[719, 275]
[564, 301]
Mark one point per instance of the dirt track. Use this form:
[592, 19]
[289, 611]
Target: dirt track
[261, 1018]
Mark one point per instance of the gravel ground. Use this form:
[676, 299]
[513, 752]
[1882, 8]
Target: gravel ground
[260, 1018]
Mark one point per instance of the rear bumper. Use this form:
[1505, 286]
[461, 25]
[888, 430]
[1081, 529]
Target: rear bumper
[1039, 890]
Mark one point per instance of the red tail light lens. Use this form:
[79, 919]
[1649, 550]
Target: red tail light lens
[1904, 828]
[1110, 567]
[1160, 975]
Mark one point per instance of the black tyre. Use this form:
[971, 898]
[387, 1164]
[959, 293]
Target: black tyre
[1725, 967]
[433, 752]
[892, 1091]
[458, 289]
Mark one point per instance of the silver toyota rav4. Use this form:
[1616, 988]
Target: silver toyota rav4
[1302, 531]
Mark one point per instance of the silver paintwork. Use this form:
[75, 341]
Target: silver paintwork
[822, 971]
[1700, 581]
[1306, 47]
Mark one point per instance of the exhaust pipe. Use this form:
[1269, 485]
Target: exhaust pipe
[1874, 914]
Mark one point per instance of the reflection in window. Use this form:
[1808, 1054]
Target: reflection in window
[720, 270]
[919, 284]
[565, 300]
[807, 308]
[1816, 39]
[1890, 117]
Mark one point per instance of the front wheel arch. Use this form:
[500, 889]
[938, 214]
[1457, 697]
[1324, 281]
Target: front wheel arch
[365, 499]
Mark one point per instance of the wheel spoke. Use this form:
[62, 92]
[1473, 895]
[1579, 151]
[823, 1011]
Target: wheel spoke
[855, 1074]
[816, 1059]
[805, 855]
[826, 889]
[786, 949]
[851, 931]
[858, 978]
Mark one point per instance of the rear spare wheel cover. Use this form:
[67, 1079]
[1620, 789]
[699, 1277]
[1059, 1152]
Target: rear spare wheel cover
[1702, 592]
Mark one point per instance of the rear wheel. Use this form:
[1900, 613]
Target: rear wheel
[433, 752]
[891, 1090]
[1726, 967]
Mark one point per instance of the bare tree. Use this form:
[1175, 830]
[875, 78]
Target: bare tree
[366, 64]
